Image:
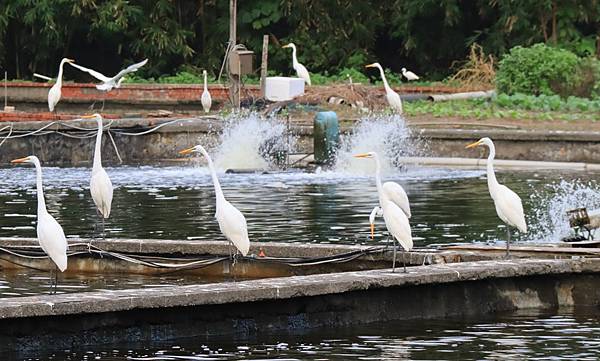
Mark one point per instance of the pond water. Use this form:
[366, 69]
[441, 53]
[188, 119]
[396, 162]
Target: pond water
[31, 282]
[558, 335]
[177, 202]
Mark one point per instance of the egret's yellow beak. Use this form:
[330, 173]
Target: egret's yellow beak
[20, 160]
[370, 65]
[187, 151]
[362, 155]
[285, 46]
[87, 116]
[372, 231]
[474, 144]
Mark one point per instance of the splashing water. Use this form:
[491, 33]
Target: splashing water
[249, 140]
[553, 202]
[387, 135]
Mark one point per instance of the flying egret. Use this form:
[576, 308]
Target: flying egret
[100, 184]
[115, 82]
[409, 75]
[396, 209]
[392, 97]
[50, 234]
[508, 203]
[300, 69]
[55, 92]
[231, 221]
[206, 99]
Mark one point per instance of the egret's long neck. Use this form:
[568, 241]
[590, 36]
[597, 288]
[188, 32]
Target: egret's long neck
[98, 148]
[205, 83]
[385, 83]
[213, 173]
[60, 73]
[491, 175]
[294, 58]
[40, 190]
[378, 179]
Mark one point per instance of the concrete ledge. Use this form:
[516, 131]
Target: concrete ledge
[498, 163]
[293, 304]
[282, 288]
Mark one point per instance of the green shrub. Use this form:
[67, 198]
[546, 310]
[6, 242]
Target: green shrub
[539, 69]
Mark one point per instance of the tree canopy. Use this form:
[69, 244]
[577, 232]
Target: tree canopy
[424, 35]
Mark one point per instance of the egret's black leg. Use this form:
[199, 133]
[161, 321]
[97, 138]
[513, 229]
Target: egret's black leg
[507, 242]
[404, 260]
[394, 260]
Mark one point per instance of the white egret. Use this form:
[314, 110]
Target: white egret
[376, 212]
[50, 234]
[396, 193]
[392, 97]
[409, 75]
[231, 221]
[115, 82]
[508, 203]
[396, 209]
[299, 68]
[206, 99]
[100, 184]
[55, 92]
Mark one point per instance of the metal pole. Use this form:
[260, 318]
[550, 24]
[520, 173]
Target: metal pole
[263, 65]
[5, 90]
[235, 79]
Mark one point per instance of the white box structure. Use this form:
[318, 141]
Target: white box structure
[279, 88]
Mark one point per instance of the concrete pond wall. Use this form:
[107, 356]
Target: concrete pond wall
[163, 144]
[294, 304]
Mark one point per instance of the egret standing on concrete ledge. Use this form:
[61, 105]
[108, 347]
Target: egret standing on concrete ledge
[508, 203]
[50, 234]
[55, 92]
[396, 210]
[206, 99]
[100, 185]
[231, 221]
[392, 97]
[300, 69]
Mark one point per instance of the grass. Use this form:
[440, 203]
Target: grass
[518, 106]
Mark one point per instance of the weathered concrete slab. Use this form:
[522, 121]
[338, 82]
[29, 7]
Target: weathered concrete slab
[163, 144]
[295, 303]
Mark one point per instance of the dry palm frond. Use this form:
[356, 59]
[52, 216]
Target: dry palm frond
[477, 72]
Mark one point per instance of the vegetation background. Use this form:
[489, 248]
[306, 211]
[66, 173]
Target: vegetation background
[427, 36]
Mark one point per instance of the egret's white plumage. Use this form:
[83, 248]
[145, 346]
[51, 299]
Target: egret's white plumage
[376, 212]
[231, 221]
[206, 99]
[100, 185]
[392, 97]
[115, 82]
[55, 91]
[299, 68]
[409, 75]
[508, 204]
[50, 234]
[392, 204]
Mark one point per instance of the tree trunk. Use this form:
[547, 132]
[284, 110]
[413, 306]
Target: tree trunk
[554, 30]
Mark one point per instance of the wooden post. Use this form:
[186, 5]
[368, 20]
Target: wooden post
[235, 79]
[263, 65]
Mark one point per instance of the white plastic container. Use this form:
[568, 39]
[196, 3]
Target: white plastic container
[279, 88]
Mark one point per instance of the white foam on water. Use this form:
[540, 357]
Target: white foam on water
[550, 221]
[387, 135]
[247, 141]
